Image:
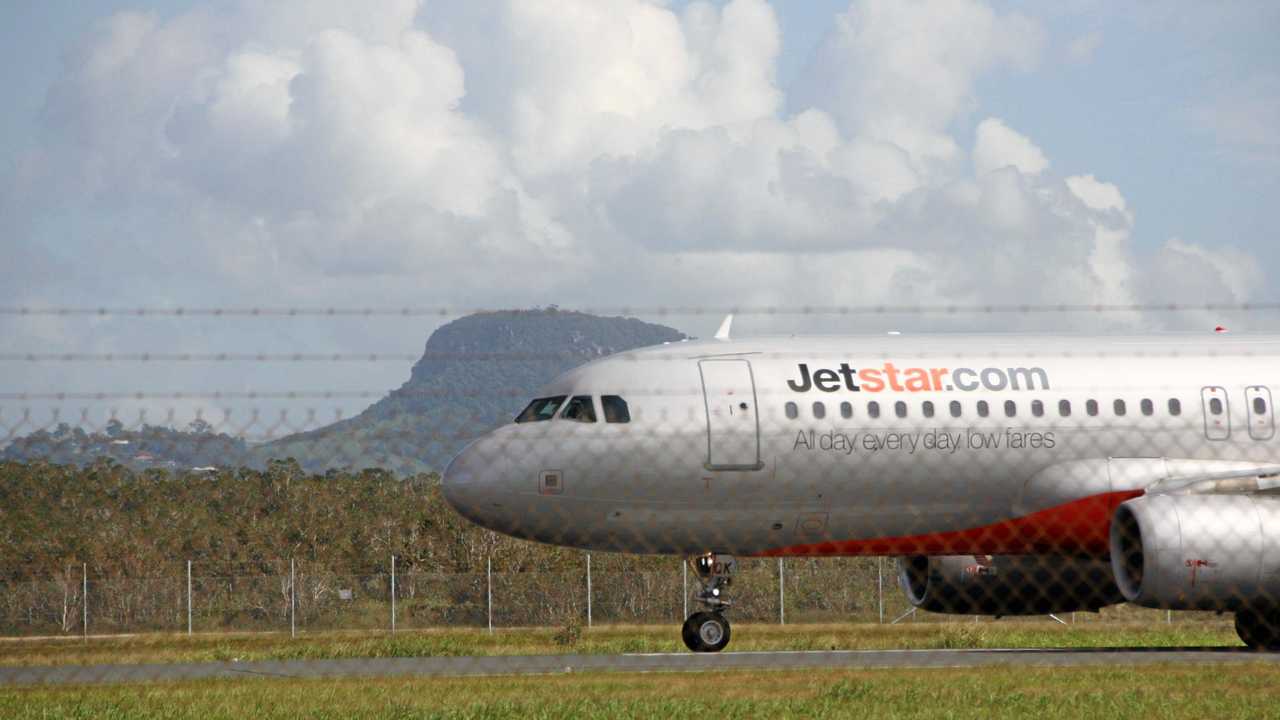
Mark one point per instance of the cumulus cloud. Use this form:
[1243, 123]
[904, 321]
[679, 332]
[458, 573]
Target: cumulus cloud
[997, 147]
[905, 70]
[592, 152]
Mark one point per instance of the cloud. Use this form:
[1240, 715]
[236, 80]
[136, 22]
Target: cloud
[590, 152]
[997, 147]
[904, 71]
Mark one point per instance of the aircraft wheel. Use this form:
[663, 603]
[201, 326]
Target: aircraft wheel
[706, 632]
[1259, 628]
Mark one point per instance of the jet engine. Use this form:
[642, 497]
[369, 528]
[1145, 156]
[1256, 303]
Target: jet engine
[1198, 552]
[1007, 584]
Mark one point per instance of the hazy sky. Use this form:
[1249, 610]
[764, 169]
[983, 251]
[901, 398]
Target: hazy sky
[614, 152]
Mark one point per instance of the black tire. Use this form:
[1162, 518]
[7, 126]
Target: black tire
[1259, 628]
[689, 633]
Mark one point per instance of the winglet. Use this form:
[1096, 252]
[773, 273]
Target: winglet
[725, 327]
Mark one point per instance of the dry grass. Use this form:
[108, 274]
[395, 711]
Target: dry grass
[166, 648]
[1244, 691]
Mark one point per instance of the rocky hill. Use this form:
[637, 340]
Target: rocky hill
[476, 373]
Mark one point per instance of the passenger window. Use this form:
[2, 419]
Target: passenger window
[1215, 406]
[819, 410]
[615, 409]
[1148, 407]
[793, 412]
[983, 409]
[540, 409]
[1259, 406]
[580, 409]
[1037, 408]
[1064, 408]
[873, 409]
[1091, 407]
[1175, 406]
[927, 408]
[955, 408]
[846, 410]
[900, 409]
[1119, 408]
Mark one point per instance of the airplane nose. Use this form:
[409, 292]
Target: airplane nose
[471, 482]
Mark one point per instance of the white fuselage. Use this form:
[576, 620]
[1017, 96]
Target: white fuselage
[873, 445]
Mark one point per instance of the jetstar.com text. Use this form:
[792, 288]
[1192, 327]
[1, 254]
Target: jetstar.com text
[890, 378]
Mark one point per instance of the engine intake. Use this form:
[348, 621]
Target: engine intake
[1198, 552]
[1007, 584]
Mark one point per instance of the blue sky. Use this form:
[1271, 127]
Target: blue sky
[166, 152]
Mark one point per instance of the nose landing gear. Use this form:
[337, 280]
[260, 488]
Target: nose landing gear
[708, 630]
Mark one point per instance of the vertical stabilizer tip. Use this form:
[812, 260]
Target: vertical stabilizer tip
[725, 328]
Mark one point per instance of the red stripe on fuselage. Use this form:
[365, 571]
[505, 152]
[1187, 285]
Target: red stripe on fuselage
[1079, 527]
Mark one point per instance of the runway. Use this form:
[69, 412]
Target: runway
[657, 662]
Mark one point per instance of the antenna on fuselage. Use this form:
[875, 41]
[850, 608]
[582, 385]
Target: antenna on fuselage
[725, 327]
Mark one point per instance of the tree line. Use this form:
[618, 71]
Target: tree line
[131, 532]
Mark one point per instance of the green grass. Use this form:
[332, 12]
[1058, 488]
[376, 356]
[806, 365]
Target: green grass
[1239, 691]
[165, 648]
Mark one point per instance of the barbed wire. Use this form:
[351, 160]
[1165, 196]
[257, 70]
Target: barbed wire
[1148, 347]
[674, 310]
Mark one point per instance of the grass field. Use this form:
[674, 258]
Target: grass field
[163, 648]
[1240, 691]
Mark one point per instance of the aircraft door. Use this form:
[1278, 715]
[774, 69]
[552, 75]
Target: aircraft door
[1217, 416]
[1257, 400]
[733, 426]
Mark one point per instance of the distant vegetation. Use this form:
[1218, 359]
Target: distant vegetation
[241, 528]
[126, 523]
[136, 530]
[151, 446]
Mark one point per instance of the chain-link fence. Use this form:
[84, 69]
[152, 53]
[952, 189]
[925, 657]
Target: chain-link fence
[778, 481]
[308, 599]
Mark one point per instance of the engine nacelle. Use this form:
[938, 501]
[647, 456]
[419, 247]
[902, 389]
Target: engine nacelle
[1007, 584]
[1198, 552]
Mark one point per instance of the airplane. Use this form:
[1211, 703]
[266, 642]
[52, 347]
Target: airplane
[1008, 474]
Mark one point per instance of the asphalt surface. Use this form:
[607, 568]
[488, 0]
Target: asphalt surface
[664, 662]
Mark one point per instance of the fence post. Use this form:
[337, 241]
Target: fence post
[684, 582]
[84, 596]
[188, 598]
[393, 594]
[588, 590]
[293, 601]
[489, 590]
[880, 586]
[782, 597]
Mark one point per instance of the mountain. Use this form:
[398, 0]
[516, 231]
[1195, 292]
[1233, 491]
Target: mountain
[476, 373]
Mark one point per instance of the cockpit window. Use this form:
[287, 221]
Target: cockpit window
[615, 409]
[581, 409]
[541, 409]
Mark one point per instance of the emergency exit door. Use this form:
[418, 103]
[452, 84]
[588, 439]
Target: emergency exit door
[733, 426]
[1217, 413]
